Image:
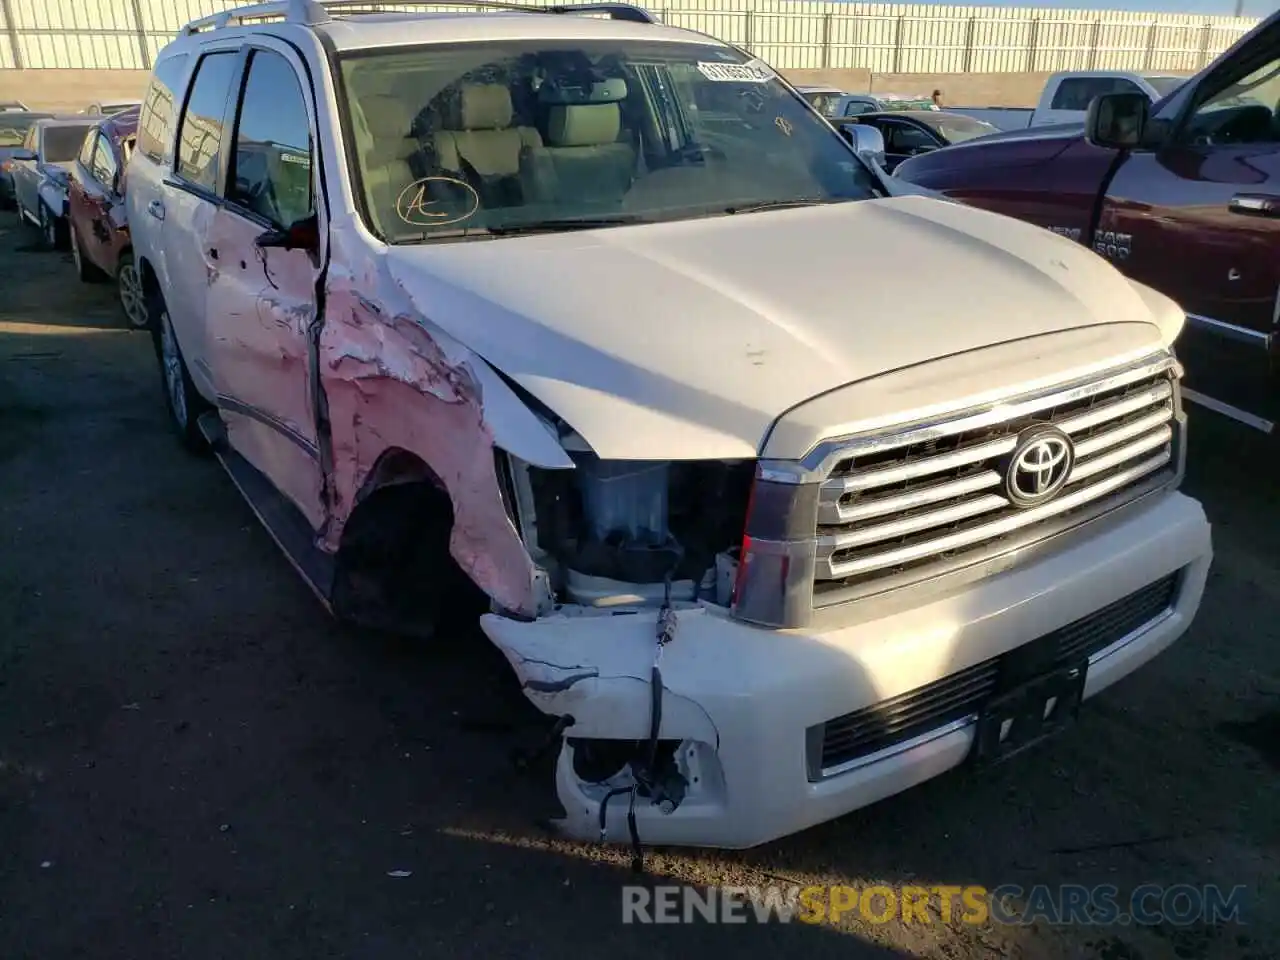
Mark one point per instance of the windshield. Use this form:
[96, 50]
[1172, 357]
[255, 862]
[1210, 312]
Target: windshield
[499, 137]
[14, 127]
[62, 143]
[1165, 85]
[960, 129]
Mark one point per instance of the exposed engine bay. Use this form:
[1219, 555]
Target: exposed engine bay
[626, 533]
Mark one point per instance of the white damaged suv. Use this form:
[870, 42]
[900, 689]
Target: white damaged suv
[540, 308]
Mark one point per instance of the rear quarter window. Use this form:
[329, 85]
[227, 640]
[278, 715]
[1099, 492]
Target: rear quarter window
[155, 124]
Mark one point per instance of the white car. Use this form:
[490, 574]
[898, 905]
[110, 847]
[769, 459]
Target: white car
[537, 307]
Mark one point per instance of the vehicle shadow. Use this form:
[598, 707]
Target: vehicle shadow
[43, 290]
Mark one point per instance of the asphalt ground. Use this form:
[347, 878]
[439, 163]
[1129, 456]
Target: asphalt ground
[195, 762]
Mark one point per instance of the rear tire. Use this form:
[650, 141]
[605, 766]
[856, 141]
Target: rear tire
[85, 269]
[181, 398]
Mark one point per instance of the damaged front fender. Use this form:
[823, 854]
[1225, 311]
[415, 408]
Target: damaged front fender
[391, 380]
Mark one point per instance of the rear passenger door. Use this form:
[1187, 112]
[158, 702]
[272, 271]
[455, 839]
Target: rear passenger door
[191, 195]
[261, 300]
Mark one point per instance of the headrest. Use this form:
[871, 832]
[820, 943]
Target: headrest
[613, 90]
[484, 106]
[584, 125]
[387, 116]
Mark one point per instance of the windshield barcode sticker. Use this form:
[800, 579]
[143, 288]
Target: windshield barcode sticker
[753, 72]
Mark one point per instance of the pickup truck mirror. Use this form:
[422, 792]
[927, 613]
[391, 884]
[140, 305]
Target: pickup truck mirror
[302, 234]
[867, 141]
[1117, 120]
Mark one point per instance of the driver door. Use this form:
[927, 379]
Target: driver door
[261, 300]
[1198, 218]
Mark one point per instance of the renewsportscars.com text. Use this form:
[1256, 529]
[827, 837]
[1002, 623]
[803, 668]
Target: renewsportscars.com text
[1105, 904]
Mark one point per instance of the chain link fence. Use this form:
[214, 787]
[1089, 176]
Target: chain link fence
[883, 38]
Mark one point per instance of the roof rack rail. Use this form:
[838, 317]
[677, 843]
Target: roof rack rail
[293, 11]
[314, 12]
[616, 11]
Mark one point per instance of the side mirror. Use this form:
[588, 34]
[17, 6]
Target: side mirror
[302, 234]
[1117, 120]
[21, 155]
[867, 142]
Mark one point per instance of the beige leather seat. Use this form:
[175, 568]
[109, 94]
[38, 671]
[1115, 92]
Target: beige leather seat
[387, 169]
[478, 142]
[590, 164]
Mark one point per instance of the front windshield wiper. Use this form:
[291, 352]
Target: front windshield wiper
[574, 223]
[755, 205]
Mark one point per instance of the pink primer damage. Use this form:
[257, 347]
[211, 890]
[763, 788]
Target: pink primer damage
[389, 386]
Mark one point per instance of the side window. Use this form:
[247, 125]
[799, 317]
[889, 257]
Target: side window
[271, 173]
[104, 163]
[155, 123]
[909, 139]
[856, 108]
[1240, 109]
[892, 132]
[200, 133]
[86, 151]
[1074, 93]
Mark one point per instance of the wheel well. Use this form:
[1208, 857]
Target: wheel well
[150, 285]
[394, 570]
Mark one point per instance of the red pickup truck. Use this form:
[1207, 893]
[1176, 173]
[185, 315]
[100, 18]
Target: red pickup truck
[1183, 195]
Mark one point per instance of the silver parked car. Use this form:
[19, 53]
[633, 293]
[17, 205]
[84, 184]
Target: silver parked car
[41, 172]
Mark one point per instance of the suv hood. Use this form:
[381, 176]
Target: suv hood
[688, 339]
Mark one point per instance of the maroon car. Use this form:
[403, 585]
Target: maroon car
[1182, 195]
[99, 231]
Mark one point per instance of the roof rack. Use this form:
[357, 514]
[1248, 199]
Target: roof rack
[315, 12]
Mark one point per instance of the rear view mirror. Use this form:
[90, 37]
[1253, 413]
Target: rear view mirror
[867, 142]
[1117, 120]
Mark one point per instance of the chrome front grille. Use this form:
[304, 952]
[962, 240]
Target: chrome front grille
[898, 507]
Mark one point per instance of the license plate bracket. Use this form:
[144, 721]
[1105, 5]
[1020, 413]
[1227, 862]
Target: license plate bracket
[1029, 714]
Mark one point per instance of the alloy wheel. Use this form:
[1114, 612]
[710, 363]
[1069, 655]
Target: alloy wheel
[131, 297]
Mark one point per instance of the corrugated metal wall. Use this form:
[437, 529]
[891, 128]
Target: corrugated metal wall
[790, 34]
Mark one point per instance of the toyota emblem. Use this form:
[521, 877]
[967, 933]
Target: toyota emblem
[1038, 467]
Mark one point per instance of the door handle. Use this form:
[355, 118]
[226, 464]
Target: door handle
[1258, 204]
[156, 209]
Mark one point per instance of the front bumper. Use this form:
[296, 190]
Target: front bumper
[742, 699]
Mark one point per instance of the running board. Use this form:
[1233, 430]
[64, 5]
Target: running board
[284, 521]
